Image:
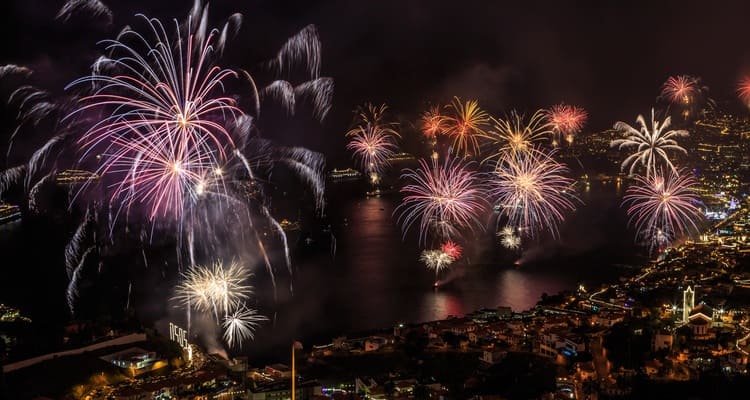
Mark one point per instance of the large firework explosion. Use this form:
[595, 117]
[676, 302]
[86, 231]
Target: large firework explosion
[443, 199]
[532, 191]
[650, 145]
[171, 147]
[663, 206]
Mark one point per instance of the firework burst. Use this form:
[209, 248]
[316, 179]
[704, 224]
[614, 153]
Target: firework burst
[509, 238]
[432, 123]
[162, 117]
[174, 149]
[651, 145]
[452, 249]
[465, 122]
[240, 326]
[663, 205]
[680, 89]
[566, 121]
[532, 191]
[444, 199]
[687, 93]
[214, 288]
[515, 135]
[373, 140]
[436, 260]
[743, 90]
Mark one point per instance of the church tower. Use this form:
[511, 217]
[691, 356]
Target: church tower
[688, 303]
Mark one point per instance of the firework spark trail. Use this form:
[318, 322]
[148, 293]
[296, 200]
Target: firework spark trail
[33, 105]
[446, 198]
[466, 121]
[34, 192]
[95, 7]
[282, 234]
[533, 191]
[71, 293]
[302, 48]
[309, 166]
[73, 248]
[515, 135]
[231, 28]
[283, 93]
[650, 144]
[665, 203]
[39, 158]
[320, 92]
[12, 69]
[240, 325]
[11, 176]
[267, 261]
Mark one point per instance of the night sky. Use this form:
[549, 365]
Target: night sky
[609, 57]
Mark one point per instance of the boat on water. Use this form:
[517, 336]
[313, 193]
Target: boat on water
[344, 174]
[289, 225]
[9, 213]
[401, 157]
[75, 177]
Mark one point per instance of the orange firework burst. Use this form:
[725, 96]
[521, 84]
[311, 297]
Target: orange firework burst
[432, 122]
[466, 121]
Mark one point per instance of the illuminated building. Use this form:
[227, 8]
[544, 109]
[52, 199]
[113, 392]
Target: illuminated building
[688, 303]
[9, 213]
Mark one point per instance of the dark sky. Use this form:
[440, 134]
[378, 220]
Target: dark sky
[610, 57]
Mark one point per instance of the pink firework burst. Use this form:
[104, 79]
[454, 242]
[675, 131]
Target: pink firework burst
[445, 198]
[663, 205]
[680, 89]
[566, 120]
[452, 249]
[532, 191]
[164, 120]
[372, 146]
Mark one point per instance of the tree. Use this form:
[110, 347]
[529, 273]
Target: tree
[390, 389]
[421, 392]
